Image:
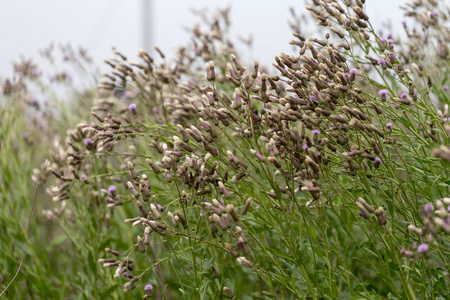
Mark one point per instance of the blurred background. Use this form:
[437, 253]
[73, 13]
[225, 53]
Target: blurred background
[28, 25]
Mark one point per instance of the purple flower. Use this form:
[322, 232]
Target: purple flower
[315, 133]
[422, 248]
[148, 288]
[404, 96]
[352, 75]
[392, 57]
[348, 76]
[88, 142]
[445, 87]
[132, 108]
[382, 62]
[312, 99]
[112, 189]
[25, 136]
[390, 41]
[377, 162]
[155, 109]
[83, 177]
[429, 208]
[383, 94]
[389, 126]
[435, 14]
[305, 147]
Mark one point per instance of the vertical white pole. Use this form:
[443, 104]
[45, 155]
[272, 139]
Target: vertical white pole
[147, 25]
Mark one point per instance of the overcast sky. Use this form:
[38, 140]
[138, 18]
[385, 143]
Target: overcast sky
[98, 25]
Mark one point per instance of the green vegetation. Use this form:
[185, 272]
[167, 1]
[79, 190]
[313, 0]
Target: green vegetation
[204, 177]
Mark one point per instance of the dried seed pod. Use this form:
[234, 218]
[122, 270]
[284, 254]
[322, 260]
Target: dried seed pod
[210, 71]
[362, 211]
[366, 205]
[142, 247]
[274, 161]
[246, 206]
[181, 218]
[228, 292]
[380, 216]
[152, 165]
[113, 252]
[232, 212]
[244, 261]
[172, 219]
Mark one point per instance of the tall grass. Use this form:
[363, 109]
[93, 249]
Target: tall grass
[210, 178]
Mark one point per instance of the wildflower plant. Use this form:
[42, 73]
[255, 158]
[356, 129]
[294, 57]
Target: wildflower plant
[36, 256]
[206, 177]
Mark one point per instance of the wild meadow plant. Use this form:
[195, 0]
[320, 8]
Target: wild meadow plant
[35, 112]
[202, 177]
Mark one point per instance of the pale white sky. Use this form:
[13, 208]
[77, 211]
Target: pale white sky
[29, 25]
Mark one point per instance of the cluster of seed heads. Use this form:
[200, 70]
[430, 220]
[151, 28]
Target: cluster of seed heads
[319, 117]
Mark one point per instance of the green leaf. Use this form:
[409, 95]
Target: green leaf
[91, 262]
[277, 192]
[108, 291]
[57, 241]
[394, 267]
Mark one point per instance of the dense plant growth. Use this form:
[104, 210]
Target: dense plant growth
[202, 177]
